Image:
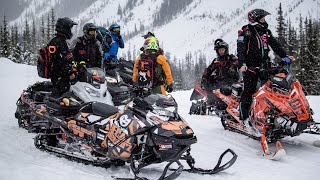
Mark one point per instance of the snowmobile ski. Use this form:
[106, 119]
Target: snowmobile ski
[218, 167]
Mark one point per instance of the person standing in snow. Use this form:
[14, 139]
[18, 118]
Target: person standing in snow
[253, 47]
[88, 50]
[220, 73]
[61, 57]
[116, 43]
[152, 70]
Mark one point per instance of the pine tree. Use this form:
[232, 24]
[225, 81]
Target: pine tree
[26, 36]
[119, 11]
[281, 27]
[42, 33]
[5, 38]
[53, 22]
[34, 44]
[48, 35]
[1, 39]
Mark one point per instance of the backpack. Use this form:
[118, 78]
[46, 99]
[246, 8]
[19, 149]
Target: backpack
[146, 70]
[44, 64]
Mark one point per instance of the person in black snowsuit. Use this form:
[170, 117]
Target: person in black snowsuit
[253, 47]
[88, 50]
[222, 72]
[61, 57]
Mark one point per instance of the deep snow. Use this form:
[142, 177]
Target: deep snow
[19, 159]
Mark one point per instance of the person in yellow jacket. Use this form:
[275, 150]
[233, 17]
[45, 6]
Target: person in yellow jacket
[152, 70]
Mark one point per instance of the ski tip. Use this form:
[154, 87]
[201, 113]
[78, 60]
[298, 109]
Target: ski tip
[277, 155]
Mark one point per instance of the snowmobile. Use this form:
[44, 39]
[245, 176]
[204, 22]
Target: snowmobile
[123, 68]
[199, 102]
[119, 90]
[279, 109]
[89, 86]
[148, 131]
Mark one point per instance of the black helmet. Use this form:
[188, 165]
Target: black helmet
[64, 25]
[256, 14]
[219, 43]
[149, 34]
[89, 31]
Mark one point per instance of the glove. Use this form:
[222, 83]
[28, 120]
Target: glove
[106, 55]
[231, 71]
[169, 88]
[287, 60]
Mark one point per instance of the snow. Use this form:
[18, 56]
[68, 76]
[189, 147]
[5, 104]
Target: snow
[188, 31]
[19, 159]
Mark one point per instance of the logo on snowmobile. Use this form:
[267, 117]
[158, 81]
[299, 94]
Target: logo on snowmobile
[124, 120]
[182, 127]
[165, 146]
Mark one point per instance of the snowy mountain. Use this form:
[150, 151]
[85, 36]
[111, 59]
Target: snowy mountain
[181, 26]
[19, 159]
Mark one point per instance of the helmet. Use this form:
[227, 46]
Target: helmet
[149, 34]
[219, 43]
[89, 31]
[115, 28]
[64, 25]
[256, 14]
[151, 43]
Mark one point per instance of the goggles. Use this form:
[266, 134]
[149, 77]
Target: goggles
[92, 32]
[116, 30]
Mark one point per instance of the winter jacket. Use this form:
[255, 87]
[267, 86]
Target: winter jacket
[253, 46]
[117, 42]
[221, 69]
[61, 59]
[162, 68]
[88, 51]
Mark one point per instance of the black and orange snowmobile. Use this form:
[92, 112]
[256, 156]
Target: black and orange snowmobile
[29, 98]
[148, 131]
[279, 108]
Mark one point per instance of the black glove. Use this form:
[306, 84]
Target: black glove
[231, 71]
[169, 88]
[119, 37]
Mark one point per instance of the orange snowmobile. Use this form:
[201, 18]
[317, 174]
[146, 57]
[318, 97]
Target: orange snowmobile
[279, 108]
[148, 131]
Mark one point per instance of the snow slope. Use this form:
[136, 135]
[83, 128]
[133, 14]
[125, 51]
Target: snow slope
[194, 29]
[19, 159]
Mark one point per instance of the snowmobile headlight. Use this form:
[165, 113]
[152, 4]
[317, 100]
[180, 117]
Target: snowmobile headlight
[92, 92]
[111, 80]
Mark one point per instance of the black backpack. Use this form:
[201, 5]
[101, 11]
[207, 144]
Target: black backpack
[146, 70]
[44, 63]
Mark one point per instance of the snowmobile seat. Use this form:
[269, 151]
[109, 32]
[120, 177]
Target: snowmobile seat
[104, 110]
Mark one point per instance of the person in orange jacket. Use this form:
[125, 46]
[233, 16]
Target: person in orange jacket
[152, 70]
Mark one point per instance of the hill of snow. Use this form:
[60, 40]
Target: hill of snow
[193, 29]
[19, 159]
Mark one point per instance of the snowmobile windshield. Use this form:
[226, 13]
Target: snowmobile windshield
[162, 105]
[281, 80]
[95, 76]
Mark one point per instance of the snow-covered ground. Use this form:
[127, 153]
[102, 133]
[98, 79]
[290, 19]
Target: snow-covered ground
[19, 159]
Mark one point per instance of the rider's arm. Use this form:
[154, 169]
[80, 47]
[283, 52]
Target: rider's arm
[135, 69]
[276, 46]
[166, 68]
[242, 45]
